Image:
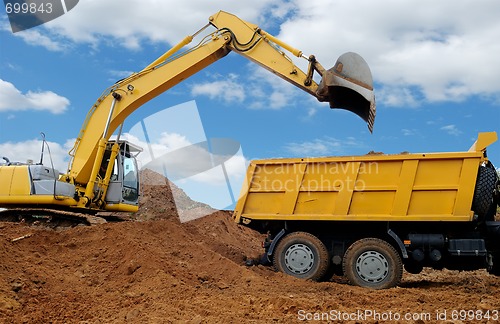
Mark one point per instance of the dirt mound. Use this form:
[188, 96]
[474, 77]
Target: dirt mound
[119, 271]
[161, 198]
[159, 270]
[164, 271]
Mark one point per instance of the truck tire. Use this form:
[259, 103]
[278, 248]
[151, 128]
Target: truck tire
[483, 203]
[301, 255]
[373, 263]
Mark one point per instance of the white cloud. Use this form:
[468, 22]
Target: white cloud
[173, 141]
[262, 89]
[11, 99]
[35, 38]
[129, 22]
[31, 150]
[120, 74]
[451, 130]
[397, 96]
[268, 91]
[440, 50]
[311, 147]
[322, 146]
[408, 132]
[265, 90]
[235, 167]
[227, 90]
[168, 143]
[205, 177]
[193, 162]
[423, 51]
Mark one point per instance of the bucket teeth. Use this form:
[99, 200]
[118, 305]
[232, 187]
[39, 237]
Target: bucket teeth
[371, 117]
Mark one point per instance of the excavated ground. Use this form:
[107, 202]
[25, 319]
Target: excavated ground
[156, 269]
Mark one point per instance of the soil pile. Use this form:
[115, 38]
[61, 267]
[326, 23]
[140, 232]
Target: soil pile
[161, 198]
[159, 270]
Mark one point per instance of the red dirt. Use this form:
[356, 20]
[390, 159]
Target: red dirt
[158, 270]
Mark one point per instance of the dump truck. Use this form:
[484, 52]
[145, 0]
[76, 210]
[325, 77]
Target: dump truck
[368, 217]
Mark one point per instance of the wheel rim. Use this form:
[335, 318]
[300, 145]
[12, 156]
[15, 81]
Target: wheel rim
[372, 266]
[299, 258]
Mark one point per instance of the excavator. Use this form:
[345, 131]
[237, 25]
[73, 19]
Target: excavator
[103, 174]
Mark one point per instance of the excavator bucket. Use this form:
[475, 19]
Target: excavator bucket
[349, 85]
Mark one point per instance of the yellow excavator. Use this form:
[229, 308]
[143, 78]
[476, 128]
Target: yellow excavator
[102, 174]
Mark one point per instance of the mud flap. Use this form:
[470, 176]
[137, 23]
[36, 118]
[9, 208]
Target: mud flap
[270, 248]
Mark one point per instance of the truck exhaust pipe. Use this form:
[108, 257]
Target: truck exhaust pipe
[349, 85]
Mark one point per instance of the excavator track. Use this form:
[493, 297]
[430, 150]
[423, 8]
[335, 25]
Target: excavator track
[51, 218]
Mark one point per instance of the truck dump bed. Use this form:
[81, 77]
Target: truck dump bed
[403, 187]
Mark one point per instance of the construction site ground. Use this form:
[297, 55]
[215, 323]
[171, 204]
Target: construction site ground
[156, 269]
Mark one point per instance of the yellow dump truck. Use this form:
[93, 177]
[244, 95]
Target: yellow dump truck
[369, 216]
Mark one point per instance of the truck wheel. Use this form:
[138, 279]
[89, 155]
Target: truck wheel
[373, 263]
[483, 203]
[301, 255]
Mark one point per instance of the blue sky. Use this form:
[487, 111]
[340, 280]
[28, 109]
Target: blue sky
[435, 67]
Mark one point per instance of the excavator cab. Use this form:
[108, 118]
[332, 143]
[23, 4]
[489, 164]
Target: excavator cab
[124, 182]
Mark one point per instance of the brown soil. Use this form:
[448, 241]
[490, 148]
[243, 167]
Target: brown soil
[159, 270]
